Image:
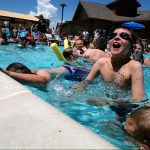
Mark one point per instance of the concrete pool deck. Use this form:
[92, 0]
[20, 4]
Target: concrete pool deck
[28, 122]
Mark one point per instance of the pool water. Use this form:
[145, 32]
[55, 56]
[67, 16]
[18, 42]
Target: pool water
[58, 93]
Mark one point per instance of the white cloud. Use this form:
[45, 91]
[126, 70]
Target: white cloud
[49, 11]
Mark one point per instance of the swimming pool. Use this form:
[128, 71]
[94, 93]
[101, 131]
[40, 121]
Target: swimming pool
[59, 94]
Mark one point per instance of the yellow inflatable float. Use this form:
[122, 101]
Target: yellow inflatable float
[66, 45]
[57, 52]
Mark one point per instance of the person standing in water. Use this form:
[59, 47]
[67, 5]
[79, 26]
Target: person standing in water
[119, 69]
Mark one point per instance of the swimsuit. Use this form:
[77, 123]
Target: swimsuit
[76, 73]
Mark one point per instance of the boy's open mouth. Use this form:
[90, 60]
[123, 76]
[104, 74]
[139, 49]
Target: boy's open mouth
[116, 45]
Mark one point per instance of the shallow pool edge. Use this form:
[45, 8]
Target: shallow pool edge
[28, 122]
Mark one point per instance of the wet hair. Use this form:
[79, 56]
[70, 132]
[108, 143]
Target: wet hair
[133, 35]
[67, 53]
[141, 117]
[18, 67]
[101, 43]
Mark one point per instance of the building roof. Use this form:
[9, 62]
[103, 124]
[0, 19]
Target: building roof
[102, 12]
[18, 16]
[112, 4]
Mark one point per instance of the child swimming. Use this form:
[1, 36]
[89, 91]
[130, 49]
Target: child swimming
[16, 70]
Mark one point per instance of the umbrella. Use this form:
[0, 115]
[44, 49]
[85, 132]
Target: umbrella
[133, 25]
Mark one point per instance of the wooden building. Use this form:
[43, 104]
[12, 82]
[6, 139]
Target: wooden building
[14, 19]
[90, 16]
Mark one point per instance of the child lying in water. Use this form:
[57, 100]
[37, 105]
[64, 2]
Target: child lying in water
[137, 124]
[21, 72]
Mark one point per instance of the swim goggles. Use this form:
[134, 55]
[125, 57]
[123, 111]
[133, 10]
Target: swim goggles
[123, 35]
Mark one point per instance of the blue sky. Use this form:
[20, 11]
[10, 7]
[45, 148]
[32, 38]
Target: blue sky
[51, 8]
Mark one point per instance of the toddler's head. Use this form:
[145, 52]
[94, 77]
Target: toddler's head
[138, 125]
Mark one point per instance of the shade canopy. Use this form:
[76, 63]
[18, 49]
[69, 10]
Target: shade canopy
[133, 25]
[17, 15]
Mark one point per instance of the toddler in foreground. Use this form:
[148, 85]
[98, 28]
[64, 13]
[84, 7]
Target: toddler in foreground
[137, 124]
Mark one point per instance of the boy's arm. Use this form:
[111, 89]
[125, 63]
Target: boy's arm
[93, 73]
[137, 81]
[41, 76]
[105, 102]
[89, 78]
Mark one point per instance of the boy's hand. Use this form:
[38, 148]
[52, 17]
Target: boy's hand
[82, 84]
[98, 102]
[76, 86]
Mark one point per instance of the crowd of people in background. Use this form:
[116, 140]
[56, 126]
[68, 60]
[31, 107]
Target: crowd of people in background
[39, 32]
